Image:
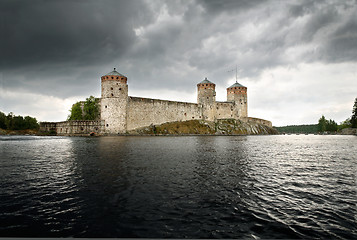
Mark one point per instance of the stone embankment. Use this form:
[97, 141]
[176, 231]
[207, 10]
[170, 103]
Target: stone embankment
[221, 127]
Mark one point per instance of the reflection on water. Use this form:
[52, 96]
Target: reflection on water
[177, 187]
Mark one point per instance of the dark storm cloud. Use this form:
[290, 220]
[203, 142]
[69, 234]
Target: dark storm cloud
[56, 47]
[218, 6]
[208, 38]
[63, 47]
[81, 32]
[341, 46]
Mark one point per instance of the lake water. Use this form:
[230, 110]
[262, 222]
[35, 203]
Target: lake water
[179, 187]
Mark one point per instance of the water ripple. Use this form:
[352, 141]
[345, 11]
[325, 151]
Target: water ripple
[179, 187]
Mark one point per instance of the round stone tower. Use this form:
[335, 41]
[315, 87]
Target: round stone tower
[206, 96]
[237, 94]
[114, 102]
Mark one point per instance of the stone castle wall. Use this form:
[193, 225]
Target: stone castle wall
[82, 127]
[143, 112]
[224, 110]
[120, 113]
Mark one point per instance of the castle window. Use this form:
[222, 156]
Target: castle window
[206, 84]
[112, 94]
[106, 106]
[107, 125]
[111, 88]
[81, 128]
[185, 114]
[207, 97]
[117, 77]
[119, 89]
[112, 77]
[193, 117]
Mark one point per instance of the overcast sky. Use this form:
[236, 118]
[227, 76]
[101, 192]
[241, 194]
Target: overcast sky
[298, 59]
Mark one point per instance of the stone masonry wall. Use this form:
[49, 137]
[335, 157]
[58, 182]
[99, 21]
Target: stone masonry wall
[82, 127]
[114, 106]
[145, 111]
[224, 110]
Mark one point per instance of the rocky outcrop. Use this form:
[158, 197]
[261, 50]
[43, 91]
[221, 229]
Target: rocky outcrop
[220, 127]
[349, 131]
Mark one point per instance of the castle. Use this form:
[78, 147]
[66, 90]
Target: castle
[120, 113]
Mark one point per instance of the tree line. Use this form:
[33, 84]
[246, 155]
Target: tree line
[87, 110]
[323, 125]
[12, 122]
[311, 128]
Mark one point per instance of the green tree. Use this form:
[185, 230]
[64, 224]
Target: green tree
[354, 115]
[76, 112]
[321, 126]
[331, 126]
[345, 124]
[9, 121]
[18, 123]
[31, 123]
[2, 120]
[91, 108]
[12, 122]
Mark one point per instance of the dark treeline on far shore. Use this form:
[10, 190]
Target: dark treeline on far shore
[12, 122]
[312, 128]
[323, 125]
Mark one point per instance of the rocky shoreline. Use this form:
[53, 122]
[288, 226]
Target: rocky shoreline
[226, 127]
[200, 127]
[19, 132]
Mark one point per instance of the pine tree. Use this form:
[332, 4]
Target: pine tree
[321, 126]
[354, 115]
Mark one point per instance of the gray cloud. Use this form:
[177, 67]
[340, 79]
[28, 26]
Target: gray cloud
[217, 6]
[82, 32]
[61, 48]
